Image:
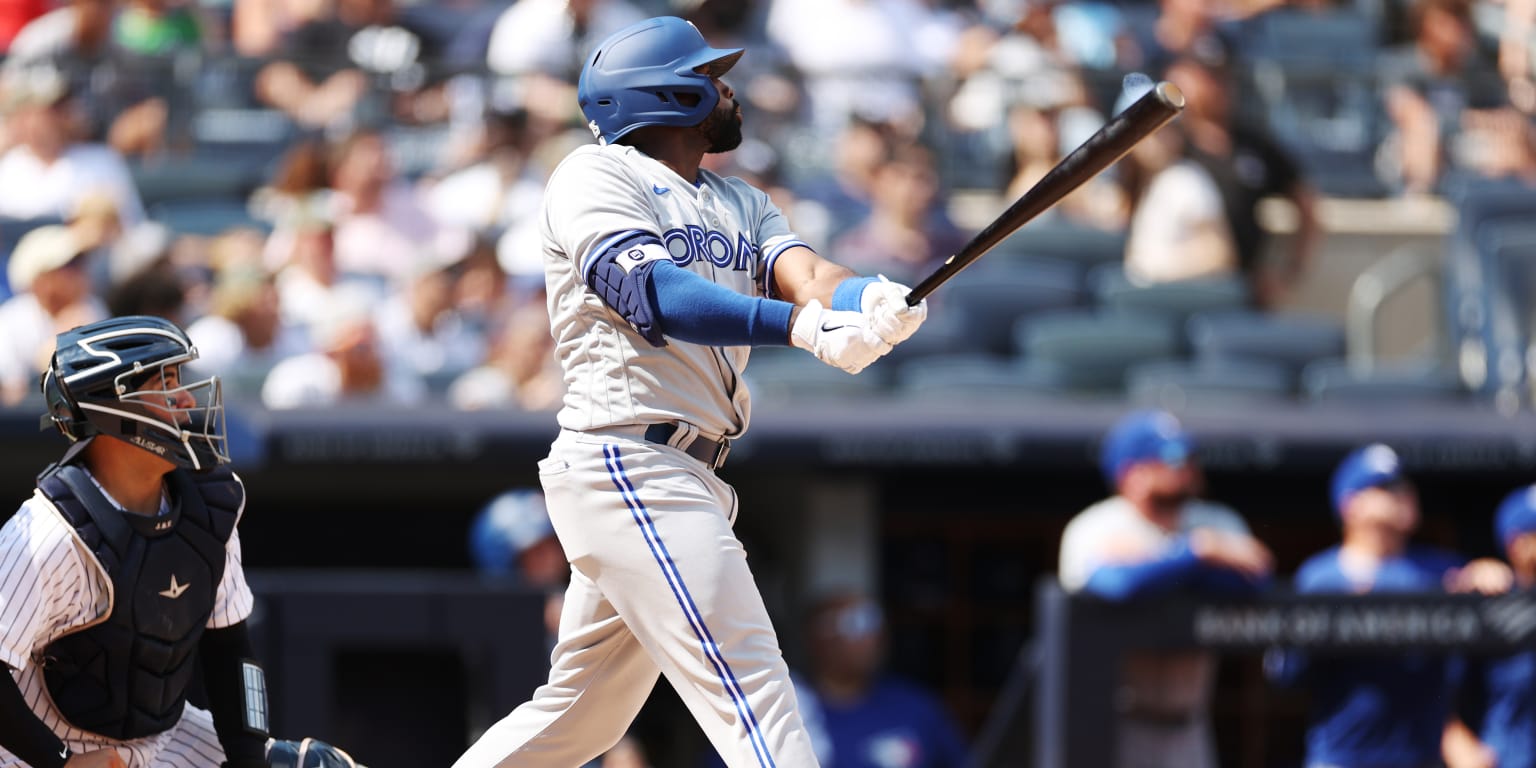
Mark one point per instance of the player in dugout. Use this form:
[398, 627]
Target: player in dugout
[1153, 537]
[1381, 711]
[121, 575]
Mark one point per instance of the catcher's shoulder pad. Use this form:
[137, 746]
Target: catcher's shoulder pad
[308, 753]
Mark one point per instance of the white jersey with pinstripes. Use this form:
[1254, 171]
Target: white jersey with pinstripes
[720, 228]
[51, 585]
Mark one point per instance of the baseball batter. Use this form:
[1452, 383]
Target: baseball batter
[121, 575]
[660, 277]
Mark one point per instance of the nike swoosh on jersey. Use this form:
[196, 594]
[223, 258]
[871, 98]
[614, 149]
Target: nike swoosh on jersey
[660, 190]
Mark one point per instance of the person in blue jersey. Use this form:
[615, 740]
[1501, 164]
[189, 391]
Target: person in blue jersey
[1508, 684]
[858, 715]
[1155, 537]
[1383, 711]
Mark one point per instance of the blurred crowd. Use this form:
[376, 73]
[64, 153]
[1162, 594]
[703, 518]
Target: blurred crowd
[340, 198]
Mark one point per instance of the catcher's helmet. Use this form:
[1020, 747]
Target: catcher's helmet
[92, 387]
[635, 77]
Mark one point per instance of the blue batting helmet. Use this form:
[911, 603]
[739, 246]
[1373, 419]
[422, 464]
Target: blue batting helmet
[635, 78]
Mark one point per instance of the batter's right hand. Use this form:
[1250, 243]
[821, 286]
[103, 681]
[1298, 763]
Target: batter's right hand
[100, 758]
[838, 338]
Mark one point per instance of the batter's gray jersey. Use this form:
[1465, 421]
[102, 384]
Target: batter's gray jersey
[721, 228]
[52, 585]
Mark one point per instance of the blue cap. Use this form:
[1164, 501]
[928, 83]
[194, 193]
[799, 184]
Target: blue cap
[1144, 436]
[1374, 466]
[510, 524]
[1516, 515]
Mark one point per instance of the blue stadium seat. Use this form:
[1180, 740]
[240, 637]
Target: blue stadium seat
[968, 377]
[989, 297]
[205, 217]
[1173, 301]
[1332, 380]
[1313, 75]
[1176, 384]
[1063, 242]
[1288, 340]
[1091, 351]
[783, 375]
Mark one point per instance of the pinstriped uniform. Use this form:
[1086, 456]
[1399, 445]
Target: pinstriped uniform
[659, 582]
[51, 585]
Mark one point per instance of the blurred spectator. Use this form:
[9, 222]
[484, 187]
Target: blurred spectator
[156, 27]
[122, 100]
[47, 172]
[1507, 685]
[243, 335]
[497, 187]
[1247, 165]
[1038, 145]
[1449, 106]
[258, 27]
[348, 366]
[858, 715]
[513, 538]
[326, 61]
[863, 57]
[1178, 228]
[550, 37]
[520, 371]
[1182, 28]
[52, 285]
[844, 193]
[907, 232]
[420, 325]
[1374, 711]
[381, 229]
[1155, 536]
[15, 14]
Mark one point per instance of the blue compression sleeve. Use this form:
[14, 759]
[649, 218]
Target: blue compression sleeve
[696, 310]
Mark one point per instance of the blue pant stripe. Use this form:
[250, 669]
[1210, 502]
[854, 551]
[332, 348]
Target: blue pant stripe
[685, 601]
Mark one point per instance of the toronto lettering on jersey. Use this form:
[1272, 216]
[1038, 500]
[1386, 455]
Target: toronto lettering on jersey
[695, 243]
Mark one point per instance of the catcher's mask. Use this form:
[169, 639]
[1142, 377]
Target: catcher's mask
[121, 377]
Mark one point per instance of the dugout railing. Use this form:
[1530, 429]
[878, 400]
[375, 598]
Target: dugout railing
[1069, 674]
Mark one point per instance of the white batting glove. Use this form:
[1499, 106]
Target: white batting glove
[839, 339]
[886, 304]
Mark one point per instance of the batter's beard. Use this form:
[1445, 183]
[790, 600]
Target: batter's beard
[722, 128]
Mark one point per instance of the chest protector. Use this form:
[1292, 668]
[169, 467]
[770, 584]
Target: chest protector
[127, 676]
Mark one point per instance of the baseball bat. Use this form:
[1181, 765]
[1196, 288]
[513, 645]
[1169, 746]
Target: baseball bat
[1110, 143]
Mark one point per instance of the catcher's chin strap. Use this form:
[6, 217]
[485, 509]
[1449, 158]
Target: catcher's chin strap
[308, 753]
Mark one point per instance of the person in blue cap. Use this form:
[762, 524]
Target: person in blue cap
[1508, 684]
[1153, 537]
[1383, 711]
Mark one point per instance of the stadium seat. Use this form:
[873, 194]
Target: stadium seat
[783, 375]
[972, 376]
[1090, 351]
[945, 332]
[1175, 384]
[1332, 380]
[1174, 301]
[988, 298]
[1289, 341]
[1064, 242]
[205, 217]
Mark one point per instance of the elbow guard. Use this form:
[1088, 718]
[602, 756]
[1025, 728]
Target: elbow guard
[621, 277]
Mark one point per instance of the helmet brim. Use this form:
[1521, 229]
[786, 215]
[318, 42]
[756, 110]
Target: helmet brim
[714, 61]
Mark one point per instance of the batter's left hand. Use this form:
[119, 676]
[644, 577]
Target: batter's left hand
[885, 303]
